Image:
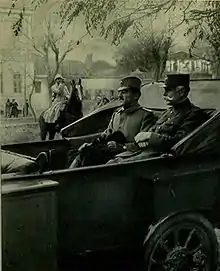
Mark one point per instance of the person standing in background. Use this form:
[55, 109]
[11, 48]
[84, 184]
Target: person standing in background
[7, 108]
[14, 109]
[25, 109]
[100, 102]
[75, 106]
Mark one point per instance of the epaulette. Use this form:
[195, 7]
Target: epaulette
[146, 109]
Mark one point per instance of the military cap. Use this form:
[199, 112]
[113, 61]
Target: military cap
[132, 82]
[175, 80]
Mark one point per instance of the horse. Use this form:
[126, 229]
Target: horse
[71, 113]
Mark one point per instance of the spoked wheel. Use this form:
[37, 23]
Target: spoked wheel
[185, 242]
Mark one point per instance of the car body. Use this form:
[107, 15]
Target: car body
[129, 206]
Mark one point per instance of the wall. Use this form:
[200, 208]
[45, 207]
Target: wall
[8, 69]
[41, 101]
[95, 85]
[14, 55]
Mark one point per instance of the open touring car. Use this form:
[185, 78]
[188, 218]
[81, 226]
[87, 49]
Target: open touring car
[165, 207]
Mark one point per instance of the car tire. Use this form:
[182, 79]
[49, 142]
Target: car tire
[164, 251]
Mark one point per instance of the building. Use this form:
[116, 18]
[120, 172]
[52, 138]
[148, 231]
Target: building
[182, 62]
[16, 64]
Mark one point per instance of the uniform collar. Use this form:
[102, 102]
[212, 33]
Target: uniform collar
[184, 105]
[130, 109]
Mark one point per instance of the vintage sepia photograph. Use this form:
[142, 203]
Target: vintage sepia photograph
[110, 135]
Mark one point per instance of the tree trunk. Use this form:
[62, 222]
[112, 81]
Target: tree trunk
[162, 68]
[157, 71]
[49, 74]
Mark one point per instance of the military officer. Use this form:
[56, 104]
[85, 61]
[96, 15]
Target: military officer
[130, 119]
[181, 118]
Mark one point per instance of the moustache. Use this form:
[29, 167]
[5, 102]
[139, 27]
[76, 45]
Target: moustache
[167, 99]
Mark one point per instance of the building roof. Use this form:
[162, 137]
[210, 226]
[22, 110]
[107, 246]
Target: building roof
[182, 56]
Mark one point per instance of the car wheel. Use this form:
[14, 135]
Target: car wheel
[183, 242]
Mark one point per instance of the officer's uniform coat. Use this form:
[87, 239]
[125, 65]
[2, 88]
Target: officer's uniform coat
[173, 125]
[131, 121]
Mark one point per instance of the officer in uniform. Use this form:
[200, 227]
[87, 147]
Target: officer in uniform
[127, 122]
[181, 118]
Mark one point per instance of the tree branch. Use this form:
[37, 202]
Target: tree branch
[34, 44]
[72, 44]
[184, 19]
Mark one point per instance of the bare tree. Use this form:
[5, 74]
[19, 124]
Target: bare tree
[146, 53]
[50, 47]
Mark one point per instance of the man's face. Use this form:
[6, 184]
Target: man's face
[127, 97]
[173, 96]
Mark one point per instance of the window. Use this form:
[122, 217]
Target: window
[17, 83]
[37, 86]
[1, 83]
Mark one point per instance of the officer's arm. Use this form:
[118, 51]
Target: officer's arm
[148, 121]
[109, 129]
[164, 142]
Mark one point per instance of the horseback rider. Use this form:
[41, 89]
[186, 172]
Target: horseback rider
[60, 97]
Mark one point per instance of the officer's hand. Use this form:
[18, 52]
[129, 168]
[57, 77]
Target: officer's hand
[103, 136]
[112, 145]
[142, 136]
[85, 145]
[142, 145]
